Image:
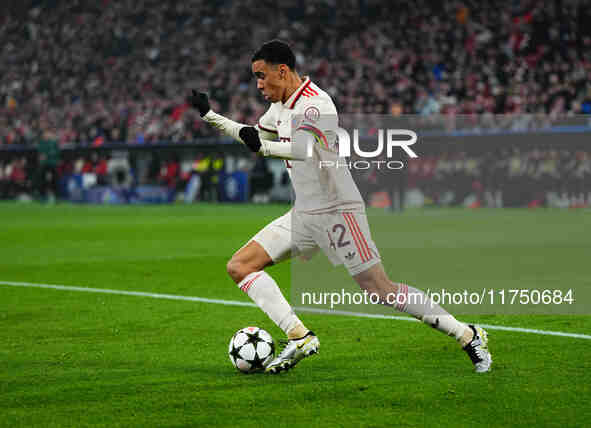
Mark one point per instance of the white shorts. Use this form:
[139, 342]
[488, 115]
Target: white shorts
[343, 236]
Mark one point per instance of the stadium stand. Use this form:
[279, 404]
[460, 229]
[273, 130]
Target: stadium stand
[119, 71]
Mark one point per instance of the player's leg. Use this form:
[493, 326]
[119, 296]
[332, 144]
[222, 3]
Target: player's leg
[271, 245]
[367, 270]
[472, 339]
[246, 267]
[411, 300]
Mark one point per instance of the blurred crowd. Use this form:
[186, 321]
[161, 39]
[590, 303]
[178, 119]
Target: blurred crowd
[121, 70]
[530, 177]
[24, 178]
[551, 177]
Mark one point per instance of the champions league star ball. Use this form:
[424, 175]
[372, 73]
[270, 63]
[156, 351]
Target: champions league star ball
[251, 349]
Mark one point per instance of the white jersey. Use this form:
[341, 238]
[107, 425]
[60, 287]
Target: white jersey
[318, 189]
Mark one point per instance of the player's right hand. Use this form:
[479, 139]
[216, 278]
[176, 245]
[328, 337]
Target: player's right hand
[251, 138]
[200, 101]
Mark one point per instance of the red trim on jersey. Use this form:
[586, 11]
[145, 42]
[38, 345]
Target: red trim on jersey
[358, 235]
[247, 285]
[267, 129]
[355, 238]
[364, 242]
[310, 91]
[295, 100]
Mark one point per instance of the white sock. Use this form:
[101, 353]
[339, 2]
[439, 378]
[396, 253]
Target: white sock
[416, 303]
[265, 292]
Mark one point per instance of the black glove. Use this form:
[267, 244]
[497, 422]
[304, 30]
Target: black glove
[250, 136]
[200, 101]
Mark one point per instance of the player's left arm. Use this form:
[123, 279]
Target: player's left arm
[200, 101]
[315, 123]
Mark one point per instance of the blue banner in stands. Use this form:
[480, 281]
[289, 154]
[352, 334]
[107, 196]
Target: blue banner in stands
[233, 187]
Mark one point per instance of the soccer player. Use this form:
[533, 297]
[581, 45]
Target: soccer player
[328, 213]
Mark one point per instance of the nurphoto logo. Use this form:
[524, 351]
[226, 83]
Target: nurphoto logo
[345, 143]
[388, 140]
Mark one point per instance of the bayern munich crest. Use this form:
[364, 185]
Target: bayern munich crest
[312, 114]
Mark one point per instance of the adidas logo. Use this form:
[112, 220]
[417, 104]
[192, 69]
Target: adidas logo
[350, 255]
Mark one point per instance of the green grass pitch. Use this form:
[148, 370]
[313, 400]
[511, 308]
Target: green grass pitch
[83, 359]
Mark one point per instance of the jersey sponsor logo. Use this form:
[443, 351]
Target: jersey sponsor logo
[312, 114]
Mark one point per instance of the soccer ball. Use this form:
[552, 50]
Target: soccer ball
[251, 349]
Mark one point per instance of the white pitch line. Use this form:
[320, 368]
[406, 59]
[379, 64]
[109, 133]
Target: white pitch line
[127, 293]
[252, 305]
